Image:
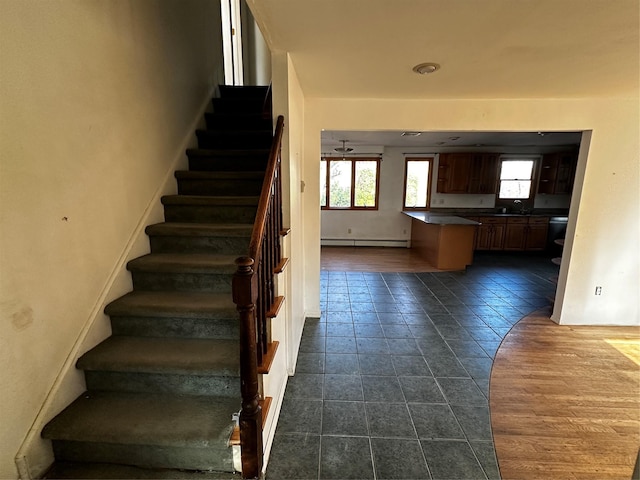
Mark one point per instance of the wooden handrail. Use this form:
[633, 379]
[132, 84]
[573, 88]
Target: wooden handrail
[267, 183]
[253, 292]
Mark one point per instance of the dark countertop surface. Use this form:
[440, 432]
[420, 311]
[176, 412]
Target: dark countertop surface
[439, 219]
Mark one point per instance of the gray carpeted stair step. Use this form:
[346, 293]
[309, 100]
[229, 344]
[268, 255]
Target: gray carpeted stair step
[174, 314]
[234, 138]
[183, 272]
[228, 239]
[228, 160]
[244, 91]
[219, 183]
[105, 471]
[209, 209]
[254, 121]
[237, 105]
[146, 430]
[185, 366]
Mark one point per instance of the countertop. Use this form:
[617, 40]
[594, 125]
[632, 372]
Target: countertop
[435, 219]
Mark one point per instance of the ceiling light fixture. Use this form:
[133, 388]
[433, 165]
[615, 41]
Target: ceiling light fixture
[343, 149]
[426, 68]
[411, 134]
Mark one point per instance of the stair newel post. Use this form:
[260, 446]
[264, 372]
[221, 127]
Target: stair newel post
[245, 293]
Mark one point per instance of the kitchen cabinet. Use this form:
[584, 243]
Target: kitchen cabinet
[491, 233]
[453, 172]
[526, 233]
[557, 172]
[484, 173]
[468, 173]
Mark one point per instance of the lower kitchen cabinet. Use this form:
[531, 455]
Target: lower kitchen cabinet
[491, 233]
[526, 233]
[511, 233]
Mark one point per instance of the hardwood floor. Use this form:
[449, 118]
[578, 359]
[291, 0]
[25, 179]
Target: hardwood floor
[373, 259]
[565, 401]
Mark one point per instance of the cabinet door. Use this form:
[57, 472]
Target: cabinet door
[537, 233]
[497, 237]
[454, 172]
[483, 237]
[487, 175]
[548, 174]
[515, 234]
[566, 170]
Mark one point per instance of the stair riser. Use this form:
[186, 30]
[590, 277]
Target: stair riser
[232, 187]
[225, 329]
[210, 458]
[227, 164]
[214, 245]
[258, 92]
[223, 386]
[217, 140]
[237, 122]
[210, 214]
[182, 282]
[237, 105]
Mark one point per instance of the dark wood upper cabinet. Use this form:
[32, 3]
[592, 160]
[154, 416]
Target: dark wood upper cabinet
[454, 172]
[468, 173]
[484, 173]
[557, 172]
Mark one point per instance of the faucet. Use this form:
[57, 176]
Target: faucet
[519, 207]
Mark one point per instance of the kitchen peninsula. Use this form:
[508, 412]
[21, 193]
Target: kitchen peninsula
[445, 241]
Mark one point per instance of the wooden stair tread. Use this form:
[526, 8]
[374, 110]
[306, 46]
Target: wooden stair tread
[282, 264]
[267, 358]
[266, 405]
[275, 308]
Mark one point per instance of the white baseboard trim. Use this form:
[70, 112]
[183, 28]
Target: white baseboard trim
[344, 242]
[35, 455]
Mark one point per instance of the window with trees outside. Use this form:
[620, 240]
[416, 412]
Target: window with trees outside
[349, 183]
[516, 178]
[417, 183]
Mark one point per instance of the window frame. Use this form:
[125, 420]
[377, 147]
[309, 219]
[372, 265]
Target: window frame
[431, 160]
[354, 161]
[534, 175]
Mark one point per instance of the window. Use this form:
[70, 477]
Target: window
[349, 183]
[516, 178]
[417, 183]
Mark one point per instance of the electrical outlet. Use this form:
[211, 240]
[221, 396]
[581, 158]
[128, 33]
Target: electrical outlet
[349, 231]
[404, 232]
[598, 291]
[441, 201]
[481, 201]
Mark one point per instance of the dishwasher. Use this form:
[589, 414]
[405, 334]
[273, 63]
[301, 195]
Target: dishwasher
[557, 229]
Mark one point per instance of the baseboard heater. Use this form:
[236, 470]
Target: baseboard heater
[345, 242]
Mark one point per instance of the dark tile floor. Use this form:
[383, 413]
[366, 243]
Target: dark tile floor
[392, 381]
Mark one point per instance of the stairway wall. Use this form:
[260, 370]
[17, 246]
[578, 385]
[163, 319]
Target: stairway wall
[99, 101]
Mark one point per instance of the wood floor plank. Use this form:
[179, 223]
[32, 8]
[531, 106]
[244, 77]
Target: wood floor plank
[373, 259]
[565, 401]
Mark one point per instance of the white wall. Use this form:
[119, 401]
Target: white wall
[604, 220]
[98, 101]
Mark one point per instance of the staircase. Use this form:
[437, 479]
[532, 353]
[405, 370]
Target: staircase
[162, 390]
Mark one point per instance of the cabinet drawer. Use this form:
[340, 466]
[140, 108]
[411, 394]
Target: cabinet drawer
[518, 220]
[493, 220]
[538, 220]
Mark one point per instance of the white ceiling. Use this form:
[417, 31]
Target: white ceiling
[486, 48]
